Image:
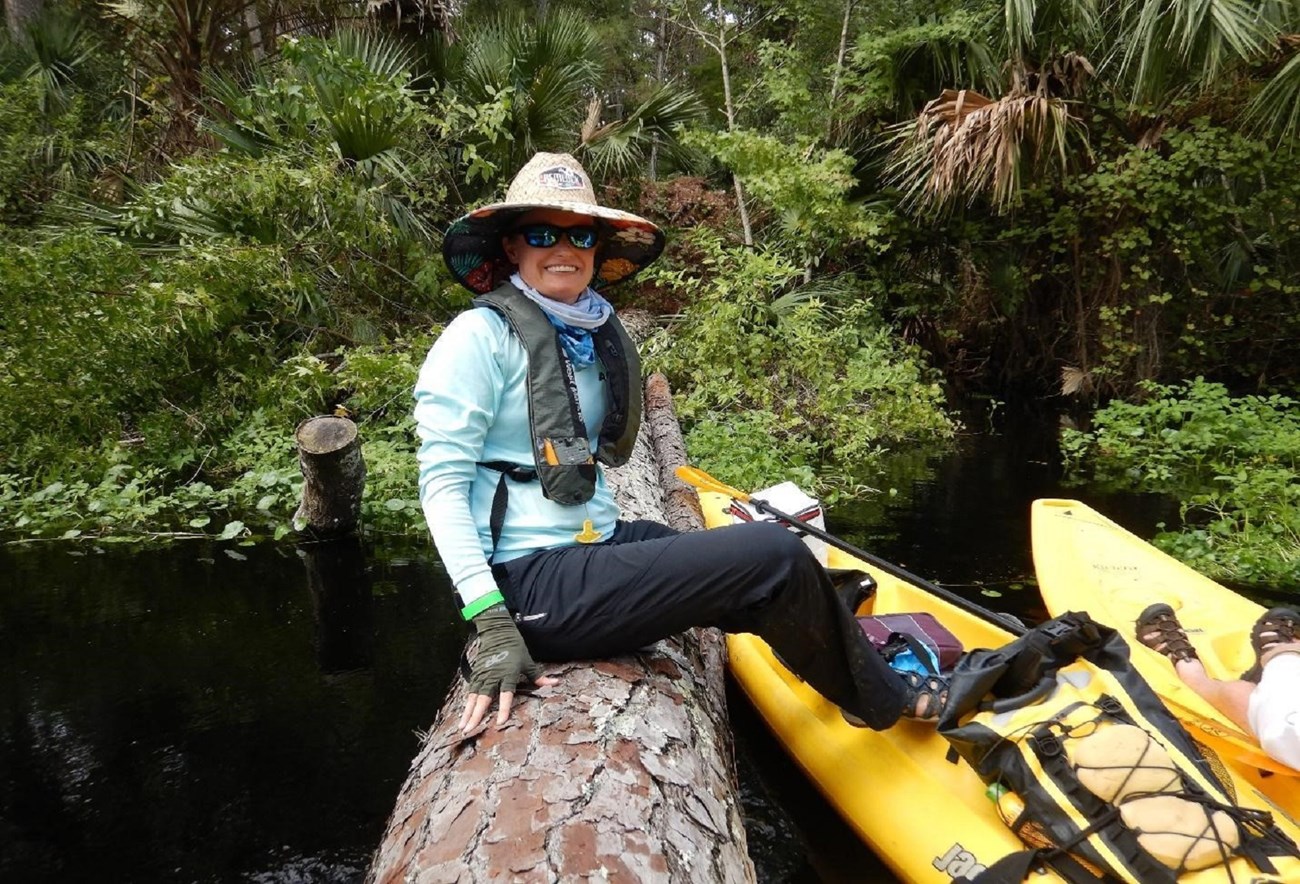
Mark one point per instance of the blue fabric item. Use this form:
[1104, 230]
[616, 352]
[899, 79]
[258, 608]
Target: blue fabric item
[589, 311]
[907, 661]
[577, 342]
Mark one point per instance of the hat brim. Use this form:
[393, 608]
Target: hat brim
[472, 244]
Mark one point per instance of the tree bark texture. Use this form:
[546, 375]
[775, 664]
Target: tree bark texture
[624, 771]
[681, 503]
[19, 13]
[334, 476]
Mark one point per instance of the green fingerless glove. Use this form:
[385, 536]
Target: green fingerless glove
[502, 660]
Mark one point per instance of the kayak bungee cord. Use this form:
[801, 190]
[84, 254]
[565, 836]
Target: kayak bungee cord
[701, 480]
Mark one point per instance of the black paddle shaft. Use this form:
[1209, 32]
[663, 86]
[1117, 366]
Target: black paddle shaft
[902, 573]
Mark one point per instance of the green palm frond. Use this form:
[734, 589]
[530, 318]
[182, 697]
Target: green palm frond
[1277, 106]
[1045, 25]
[1020, 16]
[360, 86]
[399, 214]
[828, 291]
[58, 46]
[667, 108]
[382, 55]
[623, 145]
[1198, 38]
[561, 40]
[550, 68]
[242, 111]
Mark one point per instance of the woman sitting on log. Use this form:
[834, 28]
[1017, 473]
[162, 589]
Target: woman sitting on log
[519, 402]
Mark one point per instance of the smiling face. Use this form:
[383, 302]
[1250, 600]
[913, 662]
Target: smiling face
[560, 272]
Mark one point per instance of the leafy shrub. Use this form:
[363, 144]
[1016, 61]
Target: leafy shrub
[1234, 462]
[247, 476]
[97, 342]
[769, 387]
[45, 151]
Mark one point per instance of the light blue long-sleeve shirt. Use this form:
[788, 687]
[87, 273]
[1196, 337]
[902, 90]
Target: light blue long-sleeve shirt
[471, 405]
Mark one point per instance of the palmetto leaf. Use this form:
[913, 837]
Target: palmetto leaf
[1031, 24]
[623, 145]
[1277, 107]
[58, 46]
[239, 114]
[364, 110]
[381, 55]
[1198, 37]
[829, 290]
[964, 145]
[551, 69]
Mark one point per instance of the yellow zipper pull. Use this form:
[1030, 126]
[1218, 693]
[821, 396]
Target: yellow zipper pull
[588, 534]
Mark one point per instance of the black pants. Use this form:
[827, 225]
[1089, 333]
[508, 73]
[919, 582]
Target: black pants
[648, 582]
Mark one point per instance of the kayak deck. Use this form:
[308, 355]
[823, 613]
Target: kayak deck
[925, 816]
[1086, 561]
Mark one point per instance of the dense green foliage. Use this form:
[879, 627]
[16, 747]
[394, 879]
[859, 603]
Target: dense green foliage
[1233, 461]
[1151, 264]
[219, 218]
[793, 387]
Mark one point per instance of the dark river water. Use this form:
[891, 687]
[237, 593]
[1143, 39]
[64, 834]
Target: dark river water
[217, 713]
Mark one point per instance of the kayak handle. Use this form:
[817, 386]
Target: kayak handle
[704, 482]
[1028, 698]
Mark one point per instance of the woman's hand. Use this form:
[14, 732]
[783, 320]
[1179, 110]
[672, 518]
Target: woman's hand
[501, 662]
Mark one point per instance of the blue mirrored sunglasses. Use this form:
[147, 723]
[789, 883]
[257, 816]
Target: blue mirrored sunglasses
[543, 236]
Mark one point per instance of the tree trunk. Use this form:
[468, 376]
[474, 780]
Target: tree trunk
[18, 13]
[253, 24]
[334, 476]
[681, 503]
[731, 124]
[839, 59]
[624, 771]
[661, 66]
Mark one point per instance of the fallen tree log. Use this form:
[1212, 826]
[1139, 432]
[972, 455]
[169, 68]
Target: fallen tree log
[624, 771]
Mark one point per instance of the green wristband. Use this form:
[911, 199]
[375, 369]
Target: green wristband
[481, 604]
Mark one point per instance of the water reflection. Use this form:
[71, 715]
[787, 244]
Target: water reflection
[187, 715]
[338, 581]
[248, 713]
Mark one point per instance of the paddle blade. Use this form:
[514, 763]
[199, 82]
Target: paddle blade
[697, 478]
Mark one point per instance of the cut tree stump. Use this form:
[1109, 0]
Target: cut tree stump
[624, 771]
[334, 476]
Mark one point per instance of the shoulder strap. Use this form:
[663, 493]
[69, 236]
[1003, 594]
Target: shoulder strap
[623, 381]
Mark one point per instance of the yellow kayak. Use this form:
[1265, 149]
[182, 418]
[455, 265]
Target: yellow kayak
[927, 817]
[1086, 562]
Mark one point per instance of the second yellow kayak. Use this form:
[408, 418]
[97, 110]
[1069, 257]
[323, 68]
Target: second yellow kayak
[1086, 562]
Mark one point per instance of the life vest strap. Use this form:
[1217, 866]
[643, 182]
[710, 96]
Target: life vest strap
[501, 498]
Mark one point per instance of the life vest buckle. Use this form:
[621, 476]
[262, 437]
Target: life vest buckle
[1047, 744]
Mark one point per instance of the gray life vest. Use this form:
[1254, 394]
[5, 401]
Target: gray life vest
[562, 457]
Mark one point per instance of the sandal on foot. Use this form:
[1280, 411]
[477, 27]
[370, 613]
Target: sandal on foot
[925, 696]
[1276, 627]
[1158, 629]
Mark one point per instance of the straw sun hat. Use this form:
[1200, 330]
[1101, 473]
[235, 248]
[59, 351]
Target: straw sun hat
[472, 246]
